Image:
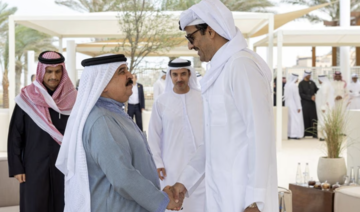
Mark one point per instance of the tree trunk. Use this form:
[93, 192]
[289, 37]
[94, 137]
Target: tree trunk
[5, 83]
[18, 70]
[26, 71]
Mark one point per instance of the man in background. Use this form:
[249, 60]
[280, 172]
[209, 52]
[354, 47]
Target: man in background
[307, 90]
[36, 132]
[136, 103]
[159, 85]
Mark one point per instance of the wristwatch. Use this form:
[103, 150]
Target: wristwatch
[253, 205]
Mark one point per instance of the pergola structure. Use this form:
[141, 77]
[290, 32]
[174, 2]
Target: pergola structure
[329, 36]
[94, 49]
[106, 24]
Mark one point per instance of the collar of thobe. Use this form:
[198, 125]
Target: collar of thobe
[110, 104]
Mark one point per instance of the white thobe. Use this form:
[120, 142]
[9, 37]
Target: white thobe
[354, 93]
[296, 121]
[324, 102]
[239, 147]
[198, 80]
[159, 88]
[339, 88]
[175, 133]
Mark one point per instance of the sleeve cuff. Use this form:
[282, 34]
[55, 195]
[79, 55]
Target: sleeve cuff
[158, 162]
[191, 179]
[164, 203]
[256, 195]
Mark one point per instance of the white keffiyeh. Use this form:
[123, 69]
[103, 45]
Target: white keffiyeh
[71, 160]
[219, 18]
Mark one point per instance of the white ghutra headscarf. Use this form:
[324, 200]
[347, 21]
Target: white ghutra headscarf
[71, 160]
[193, 83]
[219, 18]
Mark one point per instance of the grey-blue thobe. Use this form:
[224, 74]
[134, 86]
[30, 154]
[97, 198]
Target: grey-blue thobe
[122, 173]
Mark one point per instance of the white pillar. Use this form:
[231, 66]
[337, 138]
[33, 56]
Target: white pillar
[271, 42]
[30, 65]
[60, 50]
[345, 51]
[11, 68]
[71, 60]
[279, 93]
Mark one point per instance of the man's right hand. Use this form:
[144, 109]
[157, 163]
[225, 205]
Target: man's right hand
[161, 173]
[313, 98]
[178, 191]
[20, 178]
[172, 204]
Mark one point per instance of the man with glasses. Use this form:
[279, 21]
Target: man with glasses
[239, 141]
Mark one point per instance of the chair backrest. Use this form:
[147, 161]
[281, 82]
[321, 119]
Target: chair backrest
[285, 200]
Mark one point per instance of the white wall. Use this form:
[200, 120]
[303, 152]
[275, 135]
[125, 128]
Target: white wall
[353, 140]
[4, 129]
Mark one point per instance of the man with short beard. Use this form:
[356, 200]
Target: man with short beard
[176, 128]
[238, 158]
[36, 133]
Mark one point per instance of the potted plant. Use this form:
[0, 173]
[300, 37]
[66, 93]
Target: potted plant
[333, 126]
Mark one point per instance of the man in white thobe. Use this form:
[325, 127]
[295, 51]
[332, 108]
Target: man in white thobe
[198, 78]
[339, 86]
[354, 93]
[176, 128]
[240, 152]
[293, 102]
[324, 102]
[159, 85]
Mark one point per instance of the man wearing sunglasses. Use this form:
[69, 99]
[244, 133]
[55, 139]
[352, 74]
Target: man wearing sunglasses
[239, 142]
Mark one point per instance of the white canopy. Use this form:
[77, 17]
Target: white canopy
[105, 24]
[330, 36]
[97, 48]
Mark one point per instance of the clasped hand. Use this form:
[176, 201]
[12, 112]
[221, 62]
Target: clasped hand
[176, 202]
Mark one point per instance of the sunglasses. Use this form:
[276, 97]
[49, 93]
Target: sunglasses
[190, 37]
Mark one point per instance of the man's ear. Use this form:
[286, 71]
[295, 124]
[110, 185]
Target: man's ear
[211, 32]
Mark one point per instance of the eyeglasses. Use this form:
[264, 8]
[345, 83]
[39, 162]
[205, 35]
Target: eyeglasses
[190, 37]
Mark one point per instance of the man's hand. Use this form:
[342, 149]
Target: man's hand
[20, 178]
[172, 204]
[313, 98]
[178, 191]
[299, 110]
[251, 210]
[161, 173]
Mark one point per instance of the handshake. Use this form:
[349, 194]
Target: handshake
[176, 195]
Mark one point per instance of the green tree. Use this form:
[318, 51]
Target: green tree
[146, 30]
[5, 12]
[233, 5]
[90, 5]
[333, 10]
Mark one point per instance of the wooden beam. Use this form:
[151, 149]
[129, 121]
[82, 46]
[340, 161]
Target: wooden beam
[313, 56]
[334, 56]
[357, 63]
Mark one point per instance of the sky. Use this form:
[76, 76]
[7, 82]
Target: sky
[47, 7]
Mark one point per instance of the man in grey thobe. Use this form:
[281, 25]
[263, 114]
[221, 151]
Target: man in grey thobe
[111, 150]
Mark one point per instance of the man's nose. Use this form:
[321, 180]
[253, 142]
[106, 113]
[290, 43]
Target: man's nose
[190, 46]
